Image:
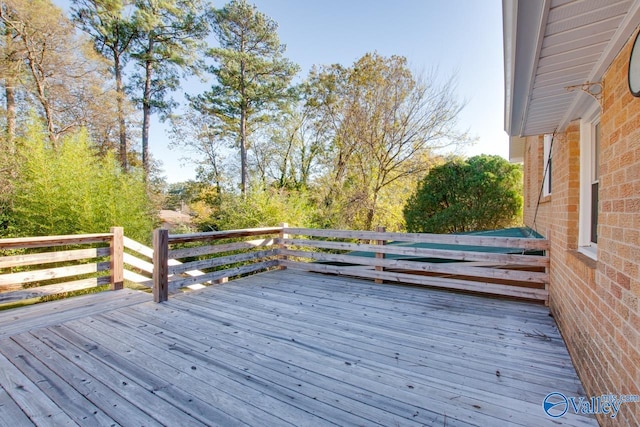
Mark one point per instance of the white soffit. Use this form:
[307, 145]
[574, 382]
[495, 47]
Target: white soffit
[575, 43]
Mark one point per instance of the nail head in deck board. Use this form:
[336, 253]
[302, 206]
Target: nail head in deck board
[287, 336]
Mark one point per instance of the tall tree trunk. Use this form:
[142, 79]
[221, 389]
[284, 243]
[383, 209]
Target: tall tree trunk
[371, 212]
[243, 151]
[36, 73]
[10, 98]
[243, 130]
[120, 102]
[11, 114]
[146, 108]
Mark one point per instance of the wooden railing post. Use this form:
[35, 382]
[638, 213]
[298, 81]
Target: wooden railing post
[116, 246]
[160, 265]
[282, 246]
[379, 255]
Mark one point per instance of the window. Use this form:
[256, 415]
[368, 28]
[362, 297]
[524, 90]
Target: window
[595, 181]
[589, 185]
[546, 166]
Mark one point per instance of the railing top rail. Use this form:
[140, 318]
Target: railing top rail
[451, 239]
[46, 241]
[217, 235]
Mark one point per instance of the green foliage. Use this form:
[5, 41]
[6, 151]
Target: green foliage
[71, 190]
[170, 35]
[253, 77]
[386, 122]
[264, 209]
[481, 193]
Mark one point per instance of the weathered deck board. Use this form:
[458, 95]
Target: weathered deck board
[284, 348]
[55, 312]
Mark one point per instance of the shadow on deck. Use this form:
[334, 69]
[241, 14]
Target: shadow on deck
[284, 348]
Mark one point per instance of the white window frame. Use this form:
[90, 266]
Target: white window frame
[587, 169]
[546, 158]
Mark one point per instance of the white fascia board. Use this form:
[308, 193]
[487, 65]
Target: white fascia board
[524, 23]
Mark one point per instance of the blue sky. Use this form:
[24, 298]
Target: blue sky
[461, 37]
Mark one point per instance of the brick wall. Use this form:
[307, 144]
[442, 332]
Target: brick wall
[596, 303]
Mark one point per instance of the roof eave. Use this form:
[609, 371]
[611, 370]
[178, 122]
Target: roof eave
[523, 31]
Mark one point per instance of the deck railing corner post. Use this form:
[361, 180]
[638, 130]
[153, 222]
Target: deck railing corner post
[380, 255]
[282, 246]
[160, 265]
[116, 246]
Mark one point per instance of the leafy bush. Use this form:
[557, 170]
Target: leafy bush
[70, 190]
[266, 208]
[481, 193]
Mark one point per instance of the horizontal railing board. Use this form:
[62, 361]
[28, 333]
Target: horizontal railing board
[137, 278]
[24, 277]
[216, 275]
[24, 260]
[217, 235]
[458, 268]
[457, 284]
[533, 260]
[220, 261]
[58, 288]
[133, 261]
[216, 249]
[138, 247]
[46, 241]
[450, 239]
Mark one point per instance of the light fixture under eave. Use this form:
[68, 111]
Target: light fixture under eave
[593, 89]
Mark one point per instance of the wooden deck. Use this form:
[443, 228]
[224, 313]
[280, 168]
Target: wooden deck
[284, 348]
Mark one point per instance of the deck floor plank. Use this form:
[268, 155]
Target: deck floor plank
[466, 397]
[356, 378]
[197, 371]
[394, 332]
[426, 360]
[34, 403]
[126, 359]
[113, 404]
[12, 415]
[262, 378]
[285, 348]
[22, 319]
[270, 365]
[78, 407]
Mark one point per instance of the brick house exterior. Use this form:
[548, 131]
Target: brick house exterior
[567, 99]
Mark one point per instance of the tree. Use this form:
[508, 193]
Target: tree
[200, 134]
[64, 75]
[386, 123]
[12, 66]
[112, 33]
[169, 36]
[71, 190]
[289, 152]
[481, 193]
[252, 75]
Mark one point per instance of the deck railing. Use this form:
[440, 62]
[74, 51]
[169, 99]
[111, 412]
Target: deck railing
[222, 254]
[35, 267]
[508, 266]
